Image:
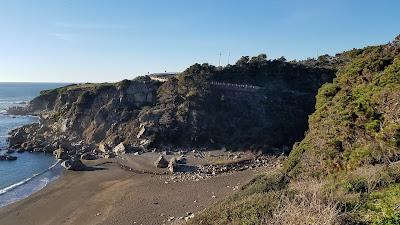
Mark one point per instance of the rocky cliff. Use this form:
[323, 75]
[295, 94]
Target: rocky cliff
[188, 111]
[79, 117]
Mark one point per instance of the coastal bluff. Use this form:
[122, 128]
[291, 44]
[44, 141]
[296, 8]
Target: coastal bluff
[256, 104]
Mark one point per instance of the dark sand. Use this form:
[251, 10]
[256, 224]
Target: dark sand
[116, 196]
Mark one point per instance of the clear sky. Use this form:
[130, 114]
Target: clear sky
[99, 40]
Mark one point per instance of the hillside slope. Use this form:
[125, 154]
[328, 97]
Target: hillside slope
[346, 170]
[357, 117]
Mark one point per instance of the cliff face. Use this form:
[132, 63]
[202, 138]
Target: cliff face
[82, 116]
[202, 108]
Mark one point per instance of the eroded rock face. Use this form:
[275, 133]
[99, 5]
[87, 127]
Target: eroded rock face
[88, 120]
[188, 111]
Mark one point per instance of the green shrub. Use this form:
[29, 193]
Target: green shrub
[294, 157]
[358, 156]
[391, 220]
[374, 125]
[326, 94]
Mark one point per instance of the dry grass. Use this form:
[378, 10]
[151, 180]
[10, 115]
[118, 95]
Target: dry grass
[303, 210]
[272, 200]
[369, 178]
[305, 203]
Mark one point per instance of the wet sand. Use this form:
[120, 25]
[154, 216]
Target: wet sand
[111, 195]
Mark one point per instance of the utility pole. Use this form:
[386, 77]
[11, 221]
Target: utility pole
[219, 61]
[229, 55]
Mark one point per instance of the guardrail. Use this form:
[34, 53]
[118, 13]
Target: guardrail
[235, 87]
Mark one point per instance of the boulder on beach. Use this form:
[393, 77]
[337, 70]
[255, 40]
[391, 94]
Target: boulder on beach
[180, 159]
[6, 157]
[161, 162]
[74, 164]
[88, 156]
[108, 155]
[119, 149]
[172, 165]
[60, 153]
[103, 147]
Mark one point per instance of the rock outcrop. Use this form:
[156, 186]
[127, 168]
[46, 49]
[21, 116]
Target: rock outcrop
[86, 119]
[6, 157]
[203, 107]
[161, 162]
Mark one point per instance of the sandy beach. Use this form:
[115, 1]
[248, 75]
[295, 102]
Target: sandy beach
[111, 195]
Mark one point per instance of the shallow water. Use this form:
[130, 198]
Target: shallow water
[31, 171]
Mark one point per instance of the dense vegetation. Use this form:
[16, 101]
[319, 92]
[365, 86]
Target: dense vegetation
[193, 112]
[346, 170]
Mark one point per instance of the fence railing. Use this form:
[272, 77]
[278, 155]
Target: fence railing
[231, 86]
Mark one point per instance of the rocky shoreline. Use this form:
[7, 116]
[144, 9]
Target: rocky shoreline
[200, 109]
[63, 137]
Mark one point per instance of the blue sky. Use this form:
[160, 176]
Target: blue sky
[99, 40]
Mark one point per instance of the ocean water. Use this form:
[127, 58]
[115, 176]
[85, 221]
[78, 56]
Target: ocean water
[31, 171]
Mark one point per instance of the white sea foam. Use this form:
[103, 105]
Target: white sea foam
[13, 186]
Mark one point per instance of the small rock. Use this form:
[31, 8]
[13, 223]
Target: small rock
[108, 155]
[103, 147]
[172, 165]
[181, 159]
[119, 149]
[189, 217]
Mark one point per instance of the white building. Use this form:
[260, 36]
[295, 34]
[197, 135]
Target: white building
[162, 77]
